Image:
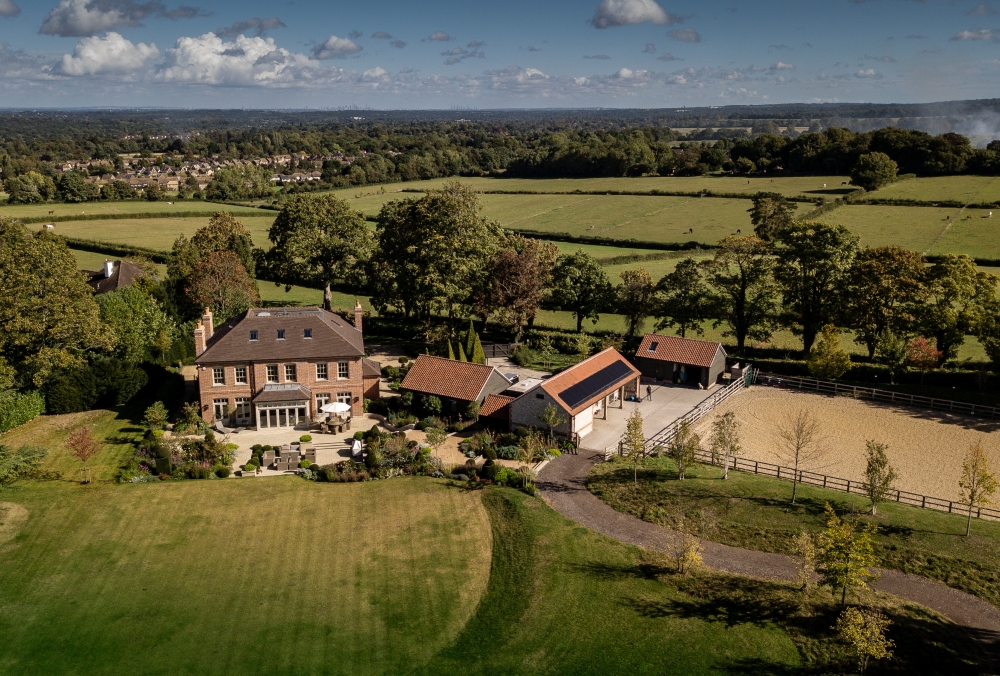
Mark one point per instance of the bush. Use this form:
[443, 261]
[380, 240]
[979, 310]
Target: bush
[489, 470]
[198, 472]
[359, 435]
[305, 438]
[403, 361]
[508, 477]
[432, 405]
[507, 452]
[223, 472]
[155, 417]
[305, 464]
[17, 409]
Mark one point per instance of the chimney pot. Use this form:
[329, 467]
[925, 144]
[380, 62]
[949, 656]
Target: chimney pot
[209, 323]
[358, 313]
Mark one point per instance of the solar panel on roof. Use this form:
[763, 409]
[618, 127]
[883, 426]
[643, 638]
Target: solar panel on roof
[594, 384]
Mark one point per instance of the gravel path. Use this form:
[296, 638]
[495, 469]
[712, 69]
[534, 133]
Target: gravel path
[563, 483]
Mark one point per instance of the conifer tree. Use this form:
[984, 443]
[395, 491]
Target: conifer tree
[470, 339]
[451, 351]
[461, 353]
[477, 355]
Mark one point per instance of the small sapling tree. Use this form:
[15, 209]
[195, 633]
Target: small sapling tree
[436, 437]
[922, 355]
[863, 629]
[879, 474]
[725, 440]
[978, 483]
[634, 442]
[801, 443]
[828, 360]
[682, 448]
[552, 418]
[84, 447]
[846, 550]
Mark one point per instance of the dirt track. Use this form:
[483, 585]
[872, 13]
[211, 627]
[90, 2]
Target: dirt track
[925, 447]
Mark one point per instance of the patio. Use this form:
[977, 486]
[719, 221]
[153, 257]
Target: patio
[330, 448]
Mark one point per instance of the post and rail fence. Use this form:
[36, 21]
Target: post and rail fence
[887, 396]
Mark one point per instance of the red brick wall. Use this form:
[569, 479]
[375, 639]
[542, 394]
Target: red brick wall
[257, 375]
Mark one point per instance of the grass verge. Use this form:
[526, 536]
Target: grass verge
[754, 512]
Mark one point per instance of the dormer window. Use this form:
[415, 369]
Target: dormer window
[253, 336]
[307, 333]
[653, 346]
[281, 334]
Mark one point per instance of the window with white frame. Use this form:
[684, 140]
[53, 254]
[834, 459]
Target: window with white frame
[242, 409]
[344, 397]
[241, 375]
[322, 399]
[321, 371]
[343, 370]
[289, 373]
[218, 376]
[272, 373]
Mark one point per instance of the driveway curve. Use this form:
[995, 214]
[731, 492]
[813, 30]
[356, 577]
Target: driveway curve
[563, 484]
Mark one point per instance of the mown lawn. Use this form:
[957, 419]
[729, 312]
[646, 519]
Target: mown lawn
[89, 208]
[154, 233]
[933, 188]
[755, 512]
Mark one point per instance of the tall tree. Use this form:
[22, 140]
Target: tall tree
[770, 214]
[683, 301]
[744, 293]
[136, 323]
[319, 240]
[884, 288]
[828, 360]
[580, 286]
[514, 282]
[225, 233]
[48, 318]
[432, 252]
[958, 297]
[873, 170]
[220, 281]
[636, 297]
[978, 482]
[813, 260]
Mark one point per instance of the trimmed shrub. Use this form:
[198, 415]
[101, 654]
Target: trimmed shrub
[489, 470]
[305, 464]
[223, 472]
[359, 435]
[305, 438]
[198, 472]
[17, 409]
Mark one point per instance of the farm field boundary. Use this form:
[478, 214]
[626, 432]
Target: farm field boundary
[837, 389]
[635, 193]
[122, 217]
[846, 485]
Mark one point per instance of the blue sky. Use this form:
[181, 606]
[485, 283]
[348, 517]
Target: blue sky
[518, 53]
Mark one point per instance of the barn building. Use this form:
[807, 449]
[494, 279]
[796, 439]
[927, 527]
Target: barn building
[681, 361]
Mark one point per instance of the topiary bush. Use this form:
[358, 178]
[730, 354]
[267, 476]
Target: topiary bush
[489, 470]
[305, 438]
[305, 464]
[223, 472]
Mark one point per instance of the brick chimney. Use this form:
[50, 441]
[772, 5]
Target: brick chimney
[109, 268]
[199, 340]
[209, 323]
[358, 313]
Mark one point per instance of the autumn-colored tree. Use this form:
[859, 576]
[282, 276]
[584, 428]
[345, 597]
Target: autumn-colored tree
[863, 629]
[221, 282]
[514, 282]
[633, 442]
[84, 447]
[846, 551]
[828, 360]
[922, 355]
[957, 298]
[978, 483]
[725, 440]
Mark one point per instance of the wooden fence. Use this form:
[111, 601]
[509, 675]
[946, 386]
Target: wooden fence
[494, 350]
[840, 389]
[846, 485]
[666, 435]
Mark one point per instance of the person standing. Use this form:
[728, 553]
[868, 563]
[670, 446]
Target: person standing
[649, 393]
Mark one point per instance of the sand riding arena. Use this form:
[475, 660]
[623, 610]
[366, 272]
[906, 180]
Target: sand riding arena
[925, 447]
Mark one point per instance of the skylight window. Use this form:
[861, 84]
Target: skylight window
[281, 334]
[253, 335]
[653, 346]
[307, 333]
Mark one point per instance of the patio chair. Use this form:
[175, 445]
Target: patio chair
[269, 457]
[219, 428]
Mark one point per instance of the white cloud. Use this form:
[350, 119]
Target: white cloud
[8, 8]
[439, 36]
[627, 12]
[868, 74]
[83, 18]
[110, 54]
[685, 35]
[336, 48]
[243, 62]
[982, 9]
[982, 34]
[781, 65]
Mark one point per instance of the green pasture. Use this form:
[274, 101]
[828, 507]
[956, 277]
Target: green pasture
[153, 233]
[978, 236]
[410, 575]
[754, 512]
[914, 228]
[92, 208]
[966, 189]
[657, 269]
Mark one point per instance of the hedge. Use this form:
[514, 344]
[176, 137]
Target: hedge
[17, 409]
[879, 374]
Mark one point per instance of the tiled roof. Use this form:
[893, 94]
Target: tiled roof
[496, 406]
[576, 374]
[461, 380]
[283, 392]
[332, 337]
[679, 350]
[123, 275]
[370, 368]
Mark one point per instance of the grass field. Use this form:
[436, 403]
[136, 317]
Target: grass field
[961, 188]
[91, 208]
[978, 236]
[914, 228]
[153, 233]
[411, 575]
[754, 512]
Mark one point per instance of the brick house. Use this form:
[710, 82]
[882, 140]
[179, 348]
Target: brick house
[275, 367]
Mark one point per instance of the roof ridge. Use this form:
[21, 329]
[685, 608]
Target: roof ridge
[581, 363]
